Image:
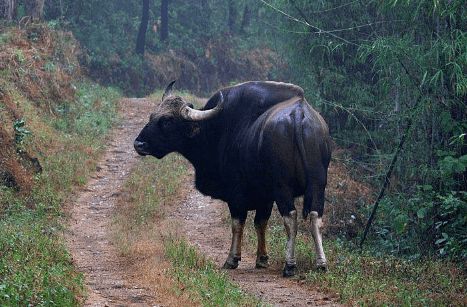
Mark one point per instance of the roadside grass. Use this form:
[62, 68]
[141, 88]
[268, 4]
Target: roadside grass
[35, 267]
[201, 277]
[366, 279]
[152, 185]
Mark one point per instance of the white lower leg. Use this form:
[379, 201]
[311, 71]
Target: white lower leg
[290, 223]
[316, 224]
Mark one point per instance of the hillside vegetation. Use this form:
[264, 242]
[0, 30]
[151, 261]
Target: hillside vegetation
[53, 124]
[387, 74]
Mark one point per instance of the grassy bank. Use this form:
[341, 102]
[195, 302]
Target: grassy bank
[365, 279]
[35, 267]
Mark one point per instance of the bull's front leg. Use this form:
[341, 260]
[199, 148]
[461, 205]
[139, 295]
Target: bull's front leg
[316, 223]
[235, 254]
[290, 223]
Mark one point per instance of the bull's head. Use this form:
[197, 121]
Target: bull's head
[172, 124]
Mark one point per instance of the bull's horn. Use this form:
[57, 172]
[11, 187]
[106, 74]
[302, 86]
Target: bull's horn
[198, 115]
[168, 90]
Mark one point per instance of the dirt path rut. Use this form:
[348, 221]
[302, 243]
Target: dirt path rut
[108, 281]
[89, 237]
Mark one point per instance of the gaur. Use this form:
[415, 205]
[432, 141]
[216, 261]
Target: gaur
[251, 145]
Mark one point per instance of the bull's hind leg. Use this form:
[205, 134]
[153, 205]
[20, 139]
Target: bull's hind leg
[261, 222]
[316, 224]
[235, 254]
[285, 204]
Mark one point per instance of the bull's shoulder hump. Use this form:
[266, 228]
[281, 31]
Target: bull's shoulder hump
[297, 90]
[286, 86]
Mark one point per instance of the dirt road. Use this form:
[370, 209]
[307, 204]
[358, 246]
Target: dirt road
[108, 281]
[89, 236]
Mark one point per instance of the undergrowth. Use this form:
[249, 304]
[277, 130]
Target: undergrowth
[364, 279]
[35, 267]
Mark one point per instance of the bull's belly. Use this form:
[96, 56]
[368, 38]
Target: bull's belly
[255, 189]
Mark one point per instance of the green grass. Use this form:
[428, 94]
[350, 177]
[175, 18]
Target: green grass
[366, 278]
[151, 185]
[35, 267]
[201, 277]
[91, 115]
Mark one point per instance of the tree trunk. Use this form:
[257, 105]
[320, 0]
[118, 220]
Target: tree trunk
[232, 18]
[62, 10]
[246, 19]
[143, 27]
[8, 9]
[164, 20]
[34, 8]
[206, 16]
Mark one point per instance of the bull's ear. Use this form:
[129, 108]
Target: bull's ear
[168, 90]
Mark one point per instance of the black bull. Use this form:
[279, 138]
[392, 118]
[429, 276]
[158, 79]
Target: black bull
[253, 144]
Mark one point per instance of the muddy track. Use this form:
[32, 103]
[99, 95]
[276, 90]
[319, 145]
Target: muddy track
[107, 278]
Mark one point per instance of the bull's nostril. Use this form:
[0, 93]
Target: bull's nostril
[140, 148]
[138, 145]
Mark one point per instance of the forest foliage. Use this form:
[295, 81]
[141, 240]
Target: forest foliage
[373, 68]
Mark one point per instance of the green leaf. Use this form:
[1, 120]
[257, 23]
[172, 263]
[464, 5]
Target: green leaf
[400, 223]
[427, 187]
[421, 213]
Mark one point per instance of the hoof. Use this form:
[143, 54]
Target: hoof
[289, 270]
[321, 265]
[262, 262]
[230, 264]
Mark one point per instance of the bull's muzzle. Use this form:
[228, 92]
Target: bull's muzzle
[141, 148]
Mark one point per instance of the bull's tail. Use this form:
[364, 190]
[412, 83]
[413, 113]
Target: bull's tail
[308, 196]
